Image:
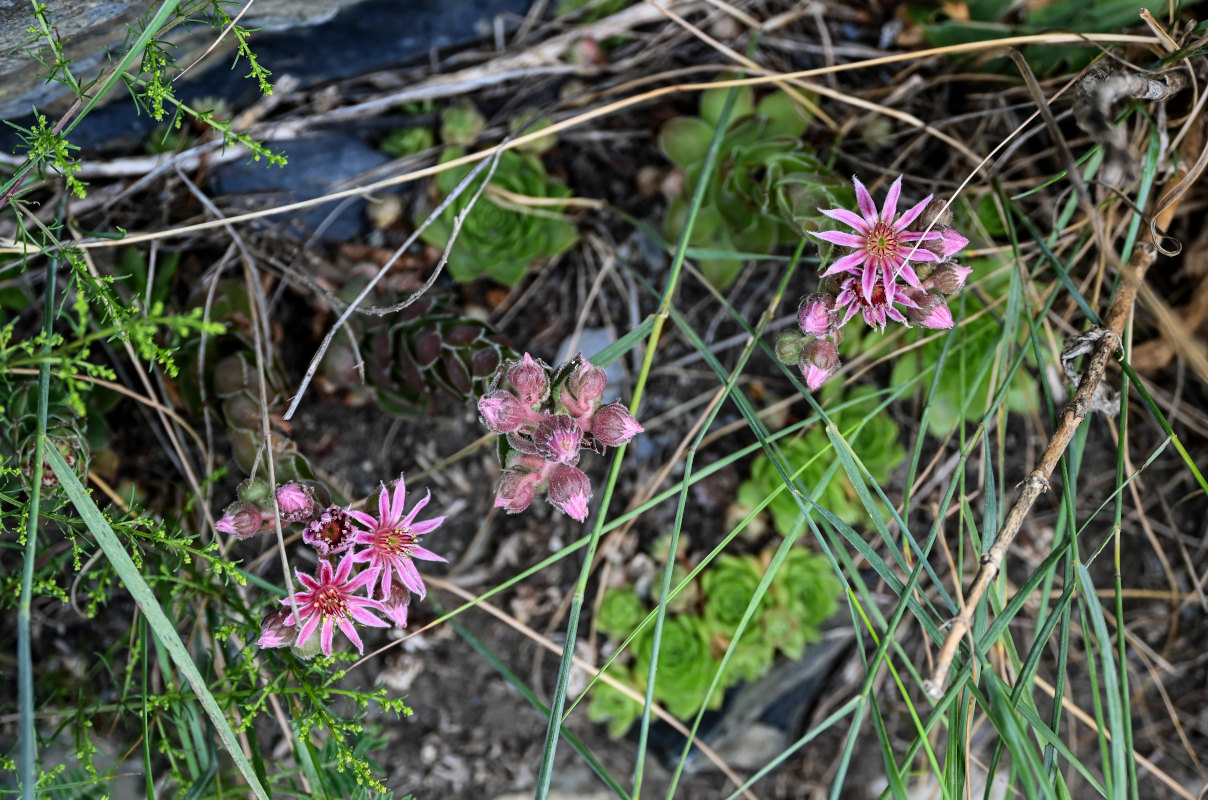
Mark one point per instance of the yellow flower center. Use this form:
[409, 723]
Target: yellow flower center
[882, 240]
[331, 602]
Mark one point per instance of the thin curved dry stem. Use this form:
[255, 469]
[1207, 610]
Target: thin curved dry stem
[609, 110]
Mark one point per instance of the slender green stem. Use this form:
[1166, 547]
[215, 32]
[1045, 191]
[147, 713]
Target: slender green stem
[27, 749]
[553, 731]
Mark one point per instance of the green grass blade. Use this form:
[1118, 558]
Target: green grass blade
[141, 592]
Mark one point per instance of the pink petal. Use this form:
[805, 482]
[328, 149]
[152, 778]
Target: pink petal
[383, 506]
[911, 214]
[427, 526]
[418, 507]
[306, 580]
[351, 633]
[847, 218]
[307, 629]
[896, 316]
[325, 635]
[411, 579]
[890, 206]
[849, 263]
[362, 616]
[851, 312]
[400, 500]
[921, 254]
[867, 207]
[344, 570]
[869, 280]
[363, 518]
[908, 274]
[384, 586]
[426, 554]
[365, 578]
[840, 238]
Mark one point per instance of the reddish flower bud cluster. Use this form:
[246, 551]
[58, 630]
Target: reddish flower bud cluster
[896, 260]
[548, 417]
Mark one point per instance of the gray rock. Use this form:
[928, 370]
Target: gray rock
[316, 166]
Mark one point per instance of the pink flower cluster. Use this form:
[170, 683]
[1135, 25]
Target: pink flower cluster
[548, 416]
[375, 553]
[900, 269]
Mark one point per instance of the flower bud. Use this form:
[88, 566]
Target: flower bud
[788, 346]
[242, 519]
[569, 490]
[530, 380]
[613, 425]
[330, 532]
[818, 361]
[254, 491]
[930, 311]
[947, 245]
[516, 489]
[295, 502]
[583, 389]
[502, 412]
[815, 314]
[948, 278]
[559, 438]
[277, 630]
[936, 213]
[395, 604]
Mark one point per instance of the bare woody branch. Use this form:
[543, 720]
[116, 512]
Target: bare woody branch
[1107, 343]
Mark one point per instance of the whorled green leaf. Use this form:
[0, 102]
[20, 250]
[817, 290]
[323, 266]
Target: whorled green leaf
[621, 611]
[728, 585]
[686, 665]
[807, 586]
[611, 705]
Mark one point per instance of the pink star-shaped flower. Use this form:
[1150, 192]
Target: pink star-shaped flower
[881, 242]
[329, 601]
[392, 541]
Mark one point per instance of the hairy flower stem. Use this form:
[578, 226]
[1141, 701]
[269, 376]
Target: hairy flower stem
[1037, 482]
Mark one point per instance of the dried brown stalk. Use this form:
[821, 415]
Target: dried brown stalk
[1106, 342]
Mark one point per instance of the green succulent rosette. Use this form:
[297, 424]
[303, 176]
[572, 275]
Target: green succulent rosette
[966, 388]
[782, 628]
[501, 240]
[765, 188]
[686, 665]
[611, 705]
[728, 586]
[750, 657]
[876, 443]
[621, 611]
[807, 586]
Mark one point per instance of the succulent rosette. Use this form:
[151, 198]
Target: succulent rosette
[765, 187]
[750, 657]
[501, 239]
[728, 586]
[621, 611]
[611, 705]
[807, 586]
[430, 352]
[686, 665]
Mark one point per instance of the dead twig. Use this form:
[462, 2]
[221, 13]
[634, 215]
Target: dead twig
[1106, 342]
